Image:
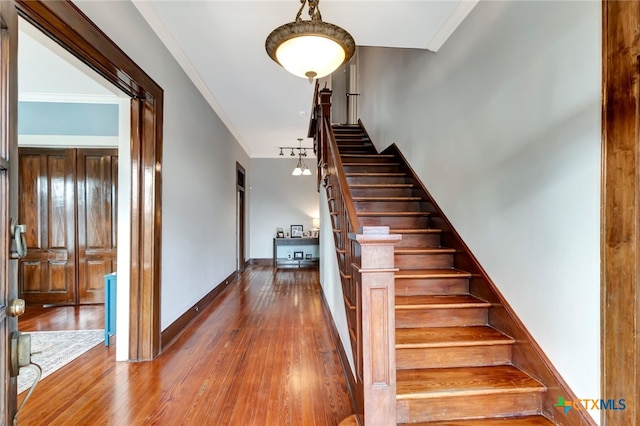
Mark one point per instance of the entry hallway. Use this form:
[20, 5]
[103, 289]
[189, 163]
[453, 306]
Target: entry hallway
[261, 354]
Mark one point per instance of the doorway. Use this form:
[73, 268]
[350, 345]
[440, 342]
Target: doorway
[92, 47]
[240, 217]
[71, 125]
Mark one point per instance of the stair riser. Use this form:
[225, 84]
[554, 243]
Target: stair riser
[349, 142]
[354, 150]
[375, 179]
[372, 168]
[445, 317]
[423, 261]
[381, 192]
[349, 133]
[395, 221]
[366, 159]
[429, 286]
[388, 206]
[465, 407]
[419, 240]
[446, 357]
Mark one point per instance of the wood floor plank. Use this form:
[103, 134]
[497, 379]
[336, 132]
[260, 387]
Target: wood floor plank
[261, 354]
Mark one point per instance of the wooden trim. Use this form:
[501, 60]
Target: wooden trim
[261, 262]
[241, 217]
[620, 268]
[63, 22]
[8, 197]
[526, 353]
[342, 354]
[183, 321]
[374, 274]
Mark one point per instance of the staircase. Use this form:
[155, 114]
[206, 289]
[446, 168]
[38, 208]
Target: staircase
[452, 367]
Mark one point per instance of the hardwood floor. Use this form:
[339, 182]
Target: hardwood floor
[55, 318]
[261, 354]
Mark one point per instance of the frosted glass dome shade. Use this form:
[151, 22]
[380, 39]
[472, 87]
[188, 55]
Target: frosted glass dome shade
[310, 56]
[310, 49]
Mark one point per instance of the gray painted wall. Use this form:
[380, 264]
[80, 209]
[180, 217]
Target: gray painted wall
[503, 127]
[280, 200]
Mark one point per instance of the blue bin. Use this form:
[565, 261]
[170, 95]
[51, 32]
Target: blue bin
[110, 281]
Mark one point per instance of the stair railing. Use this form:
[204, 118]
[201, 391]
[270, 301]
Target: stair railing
[366, 264]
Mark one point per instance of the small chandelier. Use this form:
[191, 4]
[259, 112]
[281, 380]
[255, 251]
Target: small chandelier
[301, 167]
[310, 49]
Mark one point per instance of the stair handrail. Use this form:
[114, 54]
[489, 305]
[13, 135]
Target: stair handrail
[365, 260]
[341, 179]
[326, 149]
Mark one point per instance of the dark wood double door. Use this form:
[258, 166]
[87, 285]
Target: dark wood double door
[68, 200]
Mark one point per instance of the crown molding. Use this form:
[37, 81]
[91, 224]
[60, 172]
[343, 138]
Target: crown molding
[158, 26]
[455, 18]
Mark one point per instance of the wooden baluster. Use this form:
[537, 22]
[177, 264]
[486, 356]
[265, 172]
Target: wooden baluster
[374, 263]
[325, 117]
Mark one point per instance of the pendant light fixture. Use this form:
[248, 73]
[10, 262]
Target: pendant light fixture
[310, 49]
[301, 167]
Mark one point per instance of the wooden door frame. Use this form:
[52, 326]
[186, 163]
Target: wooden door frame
[620, 223]
[63, 22]
[8, 199]
[241, 217]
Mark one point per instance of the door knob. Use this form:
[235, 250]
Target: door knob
[16, 307]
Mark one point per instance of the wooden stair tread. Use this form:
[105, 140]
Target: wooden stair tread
[345, 164]
[501, 421]
[464, 381]
[374, 174]
[431, 273]
[424, 250]
[380, 185]
[383, 199]
[391, 214]
[438, 337]
[390, 198]
[416, 231]
[368, 155]
[440, 301]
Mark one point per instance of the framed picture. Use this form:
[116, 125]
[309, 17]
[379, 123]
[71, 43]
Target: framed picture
[307, 256]
[296, 231]
[279, 233]
[297, 255]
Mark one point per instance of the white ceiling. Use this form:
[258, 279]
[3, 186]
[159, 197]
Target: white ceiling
[220, 45]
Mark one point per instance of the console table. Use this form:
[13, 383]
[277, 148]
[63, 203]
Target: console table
[309, 247]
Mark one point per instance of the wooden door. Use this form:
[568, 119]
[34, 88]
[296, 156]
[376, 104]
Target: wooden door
[97, 181]
[8, 199]
[47, 206]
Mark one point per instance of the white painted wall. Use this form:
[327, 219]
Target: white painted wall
[199, 167]
[503, 127]
[330, 278]
[280, 200]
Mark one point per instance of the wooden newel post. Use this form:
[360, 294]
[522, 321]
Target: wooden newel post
[374, 267]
